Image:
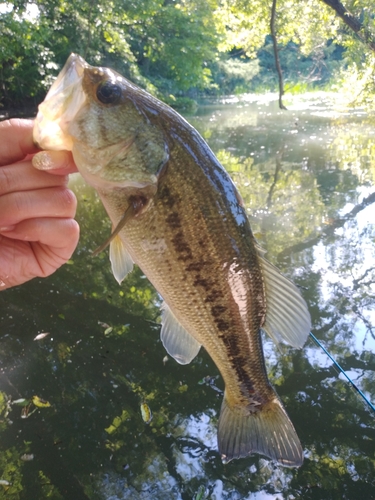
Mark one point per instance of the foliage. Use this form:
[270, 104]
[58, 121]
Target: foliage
[174, 40]
[357, 81]
[181, 47]
[151, 41]
[234, 75]
[26, 61]
[311, 41]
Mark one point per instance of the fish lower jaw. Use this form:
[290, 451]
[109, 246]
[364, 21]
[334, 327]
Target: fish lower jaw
[50, 137]
[95, 178]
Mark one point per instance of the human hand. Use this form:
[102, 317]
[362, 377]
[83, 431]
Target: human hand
[37, 230]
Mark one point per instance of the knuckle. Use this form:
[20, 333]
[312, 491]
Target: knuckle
[68, 202]
[13, 207]
[73, 233]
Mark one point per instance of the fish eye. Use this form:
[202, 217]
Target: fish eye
[108, 92]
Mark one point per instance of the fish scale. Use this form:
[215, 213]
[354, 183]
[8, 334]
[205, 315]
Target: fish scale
[177, 214]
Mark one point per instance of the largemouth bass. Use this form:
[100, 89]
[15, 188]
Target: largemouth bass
[177, 214]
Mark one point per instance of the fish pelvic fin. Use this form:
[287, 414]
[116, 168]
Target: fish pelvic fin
[177, 341]
[268, 432]
[121, 262]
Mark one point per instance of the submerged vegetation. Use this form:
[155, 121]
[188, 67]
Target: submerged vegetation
[176, 48]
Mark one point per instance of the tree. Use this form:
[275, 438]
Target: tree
[310, 25]
[276, 54]
[182, 46]
[154, 42]
[364, 32]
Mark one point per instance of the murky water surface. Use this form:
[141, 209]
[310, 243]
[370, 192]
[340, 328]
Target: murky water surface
[307, 179]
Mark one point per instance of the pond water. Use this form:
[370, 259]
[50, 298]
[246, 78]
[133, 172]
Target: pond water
[307, 179]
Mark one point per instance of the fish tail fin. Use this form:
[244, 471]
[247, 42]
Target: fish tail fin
[268, 432]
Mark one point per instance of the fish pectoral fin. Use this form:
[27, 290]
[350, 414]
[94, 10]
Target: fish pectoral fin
[176, 340]
[287, 316]
[267, 431]
[121, 262]
[136, 205]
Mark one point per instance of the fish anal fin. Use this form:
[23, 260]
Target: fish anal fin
[268, 432]
[287, 317]
[121, 262]
[176, 340]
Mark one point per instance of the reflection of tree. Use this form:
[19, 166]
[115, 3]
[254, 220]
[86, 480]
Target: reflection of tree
[350, 423]
[329, 230]
[354, 147]
[278, 167]
[103, 359]
[283, 200]
[351, 277]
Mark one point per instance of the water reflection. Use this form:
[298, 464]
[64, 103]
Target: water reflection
[307, 180]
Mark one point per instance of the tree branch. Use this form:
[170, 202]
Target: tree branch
[353, 22]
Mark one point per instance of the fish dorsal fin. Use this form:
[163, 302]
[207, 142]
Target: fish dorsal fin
[121, 262]
[177, 341]
[287, 316]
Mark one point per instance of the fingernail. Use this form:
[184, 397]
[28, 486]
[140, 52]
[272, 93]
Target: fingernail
[43, 161]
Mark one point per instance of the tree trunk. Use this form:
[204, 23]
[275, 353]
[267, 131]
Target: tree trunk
[276, 55]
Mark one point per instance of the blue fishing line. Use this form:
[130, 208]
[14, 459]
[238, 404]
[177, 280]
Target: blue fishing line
[343, 372]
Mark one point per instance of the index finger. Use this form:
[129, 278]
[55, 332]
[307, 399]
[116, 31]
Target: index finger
[16, 140]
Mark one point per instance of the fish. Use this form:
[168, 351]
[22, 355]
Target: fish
[146, 413]
[41, 336]
[177, 214]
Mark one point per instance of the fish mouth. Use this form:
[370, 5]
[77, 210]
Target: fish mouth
[61, 104]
